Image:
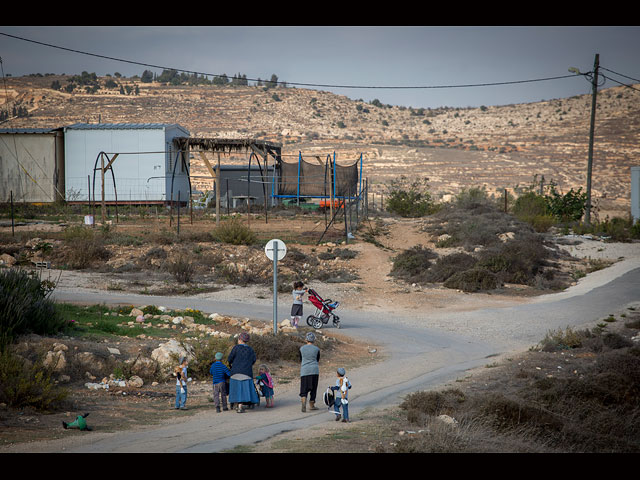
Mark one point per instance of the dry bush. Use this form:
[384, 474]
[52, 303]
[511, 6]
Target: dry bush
[412, 264]
[473, 280]
[448, 265]
[84, 247]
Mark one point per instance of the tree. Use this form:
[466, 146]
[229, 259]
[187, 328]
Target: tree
[147, 76]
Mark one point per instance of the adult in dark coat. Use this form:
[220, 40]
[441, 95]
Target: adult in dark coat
[242, 391]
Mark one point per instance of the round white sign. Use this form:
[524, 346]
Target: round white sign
[269, 248]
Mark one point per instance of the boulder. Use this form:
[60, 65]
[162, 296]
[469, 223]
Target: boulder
[135, 312]
[144, 367]
[135, 382]
[6, 259]
[55, 360]
[165, 353]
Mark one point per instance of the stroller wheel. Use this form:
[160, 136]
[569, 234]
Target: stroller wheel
[316, 323]
[336, 321]
[310, 320]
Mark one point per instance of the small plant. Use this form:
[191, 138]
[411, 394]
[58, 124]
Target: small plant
[234, 232]
[182, 268]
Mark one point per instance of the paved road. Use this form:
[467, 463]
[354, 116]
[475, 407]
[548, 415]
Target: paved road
[419, 357]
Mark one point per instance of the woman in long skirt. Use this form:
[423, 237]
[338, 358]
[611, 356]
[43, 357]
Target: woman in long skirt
[242, 390]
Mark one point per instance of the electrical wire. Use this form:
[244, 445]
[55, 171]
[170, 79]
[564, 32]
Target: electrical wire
[296, 83]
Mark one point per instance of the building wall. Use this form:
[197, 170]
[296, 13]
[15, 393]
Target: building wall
[31, 166]
[141, 169]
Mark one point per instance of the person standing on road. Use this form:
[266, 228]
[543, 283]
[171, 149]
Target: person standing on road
[181, 384]
[309, 372]
[220, 374]
[343, 385]
[241, 387]
[296, 309]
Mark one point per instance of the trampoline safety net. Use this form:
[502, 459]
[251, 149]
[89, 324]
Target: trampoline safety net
[317, 180]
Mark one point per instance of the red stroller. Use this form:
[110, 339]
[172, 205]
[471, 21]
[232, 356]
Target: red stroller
[324, 311]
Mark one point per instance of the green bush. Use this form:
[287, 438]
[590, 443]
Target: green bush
[25, 307]
[233, 232]
[410, 201]
[568, 207]
[27, 384]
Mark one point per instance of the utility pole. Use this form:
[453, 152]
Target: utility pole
[596, 65]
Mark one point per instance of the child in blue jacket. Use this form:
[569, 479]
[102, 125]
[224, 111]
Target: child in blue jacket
[220, 373]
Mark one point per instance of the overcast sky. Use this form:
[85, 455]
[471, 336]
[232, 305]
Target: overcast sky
[360, 56]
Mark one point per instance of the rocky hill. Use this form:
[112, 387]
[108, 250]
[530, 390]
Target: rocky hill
[496, 147]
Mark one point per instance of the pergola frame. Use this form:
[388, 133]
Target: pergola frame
[256, 148]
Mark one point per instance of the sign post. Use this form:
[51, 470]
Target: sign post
[275, 250]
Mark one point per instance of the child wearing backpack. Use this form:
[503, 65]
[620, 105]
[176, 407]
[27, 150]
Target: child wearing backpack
[342, 387]
[265, 382]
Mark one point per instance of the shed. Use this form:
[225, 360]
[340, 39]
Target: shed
[142, 161]
[32, 165]
[240, 184]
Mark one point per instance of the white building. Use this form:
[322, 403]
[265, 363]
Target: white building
[143, 156]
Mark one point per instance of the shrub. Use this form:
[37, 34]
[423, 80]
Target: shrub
[85, 246]
[412, 264]
[473, 280]
[25, 307]
[27, 384]
[516, 261]
[411, 201]
[448, 265]
[182, 268]
[234, 232]
[563, 340]
[568, 207]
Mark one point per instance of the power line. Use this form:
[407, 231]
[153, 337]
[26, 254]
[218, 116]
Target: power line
[625, 76]
[297, 83]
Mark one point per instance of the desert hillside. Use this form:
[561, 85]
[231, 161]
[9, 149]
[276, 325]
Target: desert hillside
[497, 147]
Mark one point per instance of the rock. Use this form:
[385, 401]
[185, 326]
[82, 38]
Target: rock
[188, 321]
[447, 419]
[6, 259]
[177, 320]
[140, 319]
[144, 367]
[55, 361]
[285, 323]
[135, 382]
[64, 379]
[113, 351]
[165, 352]
[135, 312]
[60, 347]
[505, 237]
[90, 360]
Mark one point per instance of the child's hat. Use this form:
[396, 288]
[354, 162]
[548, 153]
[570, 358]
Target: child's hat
[341, 371]
[219, 356]
[311, 337]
